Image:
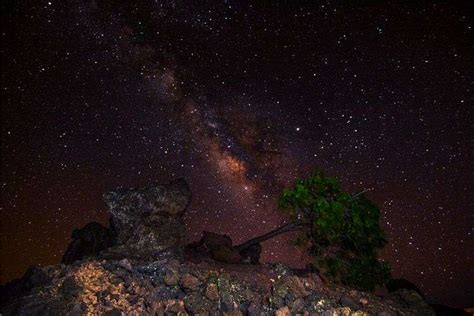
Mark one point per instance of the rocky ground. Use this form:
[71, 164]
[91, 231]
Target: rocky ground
[167, 286]
[140, 266]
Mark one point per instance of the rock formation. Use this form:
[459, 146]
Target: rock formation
[159, 287]
[148, 220]
[144, 222]
[143, 272]
[220, 248]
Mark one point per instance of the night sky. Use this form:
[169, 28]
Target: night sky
[240, 99]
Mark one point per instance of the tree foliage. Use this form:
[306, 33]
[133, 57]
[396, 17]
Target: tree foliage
[341, 230]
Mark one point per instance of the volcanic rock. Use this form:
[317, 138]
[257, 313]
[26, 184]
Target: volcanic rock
[251, 254]
[212, 292]
[141, 274]
[217, 246]
[148, 220]
[190, 282]
[171, 277]
[95, 287]
[283, 311]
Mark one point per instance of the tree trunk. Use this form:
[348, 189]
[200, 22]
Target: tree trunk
[293, 226]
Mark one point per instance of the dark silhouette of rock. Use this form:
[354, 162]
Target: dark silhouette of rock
[220, 248]
[412, 300]
[217, 246]
[33, 278]
[443, 310]
[251, 254]
[397, 284]
[88, 241]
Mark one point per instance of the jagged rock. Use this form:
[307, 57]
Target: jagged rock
[212, 292]
[217, 246]
[140, 274]
[190, 282]
[283, 311]
[349, 302]
[69, 289]
[397, 284]
[144, 221]
[148, 220]
[176, 307]
[251, 254]
[95, 287]
[220, 248]
[88, 241]
[279, 292]
[77, 310]
[297, 305]
[412, 300]
[196, 303]
[296, 286]
[125, 263]
[225, 254]
[171, 277]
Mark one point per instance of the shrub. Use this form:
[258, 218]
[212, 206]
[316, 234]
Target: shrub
[341, 230]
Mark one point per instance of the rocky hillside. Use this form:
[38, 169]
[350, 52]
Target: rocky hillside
[142, 266]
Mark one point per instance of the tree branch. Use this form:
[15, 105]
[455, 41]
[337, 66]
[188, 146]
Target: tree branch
[359, 193]
[293, 226]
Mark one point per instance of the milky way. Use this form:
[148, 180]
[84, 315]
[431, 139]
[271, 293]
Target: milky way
[241, 99]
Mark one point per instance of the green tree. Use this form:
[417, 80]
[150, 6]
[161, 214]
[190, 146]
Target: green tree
[341, 230]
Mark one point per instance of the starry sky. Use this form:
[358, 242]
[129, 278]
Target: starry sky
[240, 98]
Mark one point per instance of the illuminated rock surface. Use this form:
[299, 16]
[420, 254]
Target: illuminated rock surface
[148, 271]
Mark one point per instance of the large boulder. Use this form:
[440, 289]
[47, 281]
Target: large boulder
[397, 284]
[412, 300]
[217, 246]
[148, 220]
